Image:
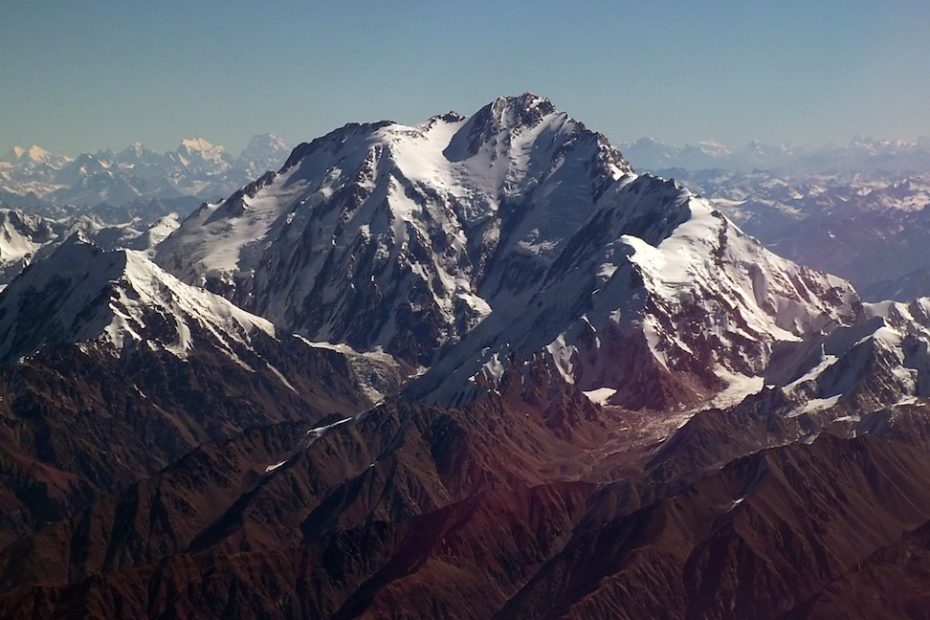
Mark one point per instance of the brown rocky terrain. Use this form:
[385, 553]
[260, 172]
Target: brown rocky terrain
[414, 511]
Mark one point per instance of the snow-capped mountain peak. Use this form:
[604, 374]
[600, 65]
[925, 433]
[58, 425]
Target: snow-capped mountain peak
[195, 169]
[202, 157]
[516, 138]
[31, 161]
[259, 145]
[34, 154]
[438, 187]
[714, 148]
[470, 243]
[137, 153]
[22, 236]
[199, 145]
[509, 114]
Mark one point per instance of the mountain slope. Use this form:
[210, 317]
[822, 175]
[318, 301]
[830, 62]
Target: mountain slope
[401, 224]
[658, 301]
[120, 303]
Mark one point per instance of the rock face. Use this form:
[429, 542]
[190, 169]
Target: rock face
[387, 235]
[477, 368]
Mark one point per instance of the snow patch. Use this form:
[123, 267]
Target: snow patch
[600, 396]
[271, 468]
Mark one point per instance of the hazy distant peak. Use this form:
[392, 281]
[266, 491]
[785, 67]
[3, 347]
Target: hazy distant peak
[34, 153]
[205, 149]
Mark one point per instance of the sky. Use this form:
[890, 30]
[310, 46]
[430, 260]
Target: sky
[81, 75]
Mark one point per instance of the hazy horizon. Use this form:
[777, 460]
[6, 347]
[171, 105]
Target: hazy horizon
[84, 77]
[293, 142]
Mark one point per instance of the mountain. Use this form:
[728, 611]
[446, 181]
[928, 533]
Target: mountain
[142, 161]
[200, 158]
[34, 156]
[22, 236]
[139, 211]
[382, 221]
[118, 301]
[83, 293]
[516, 232]
[651, 154]
[28, 174]
[407, 509]
[27, 238]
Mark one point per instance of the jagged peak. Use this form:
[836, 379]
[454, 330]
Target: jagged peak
[499, 123]
[508, 114]
[266, 146]
[34, 153]
[78, 238]
[136, 149]
[527, 102]
[198, 144]
[493, 128]
[450, 117]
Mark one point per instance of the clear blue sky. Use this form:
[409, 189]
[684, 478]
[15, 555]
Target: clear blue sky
[80, 75]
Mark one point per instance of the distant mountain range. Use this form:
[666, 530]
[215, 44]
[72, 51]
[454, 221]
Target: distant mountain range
[196, 169]
[860, 155]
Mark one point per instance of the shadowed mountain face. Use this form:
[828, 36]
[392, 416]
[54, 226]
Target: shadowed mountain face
[476, 368]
